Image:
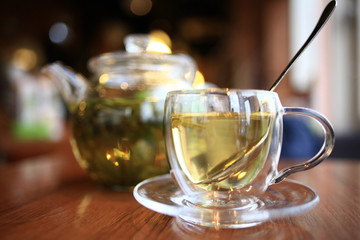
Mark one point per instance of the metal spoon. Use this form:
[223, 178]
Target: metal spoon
[323, 19]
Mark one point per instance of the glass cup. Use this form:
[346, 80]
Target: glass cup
[224, 147]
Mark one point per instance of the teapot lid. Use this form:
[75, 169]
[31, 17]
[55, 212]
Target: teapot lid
[137, 58]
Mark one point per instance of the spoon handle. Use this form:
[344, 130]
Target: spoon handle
[322, 20]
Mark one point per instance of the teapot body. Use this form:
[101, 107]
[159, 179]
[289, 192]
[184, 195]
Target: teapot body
[116, 128]
[118, 140]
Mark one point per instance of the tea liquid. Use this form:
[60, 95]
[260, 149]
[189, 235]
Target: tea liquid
[119, 141]
[211, 144]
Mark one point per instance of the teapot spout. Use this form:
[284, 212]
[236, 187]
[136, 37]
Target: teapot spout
[72, 86]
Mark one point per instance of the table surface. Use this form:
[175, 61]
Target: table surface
[50, 197]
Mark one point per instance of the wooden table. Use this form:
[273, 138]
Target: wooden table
[50, 197]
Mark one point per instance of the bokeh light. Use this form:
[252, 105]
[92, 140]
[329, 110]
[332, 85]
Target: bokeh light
[199, 81]
[159, 42]
[140, 7]
[58, 32]
[24, 59]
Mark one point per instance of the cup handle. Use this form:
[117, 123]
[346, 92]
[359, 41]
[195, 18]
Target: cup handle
[324, 152]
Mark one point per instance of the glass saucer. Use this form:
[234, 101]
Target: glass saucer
[284, 199]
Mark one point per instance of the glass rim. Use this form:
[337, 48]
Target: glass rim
[220, 90]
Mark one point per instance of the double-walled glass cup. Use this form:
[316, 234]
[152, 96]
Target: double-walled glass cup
[224, 147]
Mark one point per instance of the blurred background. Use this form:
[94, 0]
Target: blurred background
[235, 43]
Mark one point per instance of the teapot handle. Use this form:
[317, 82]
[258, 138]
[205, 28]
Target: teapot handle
[72, 86]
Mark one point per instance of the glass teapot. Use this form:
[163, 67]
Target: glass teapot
[117, 114]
